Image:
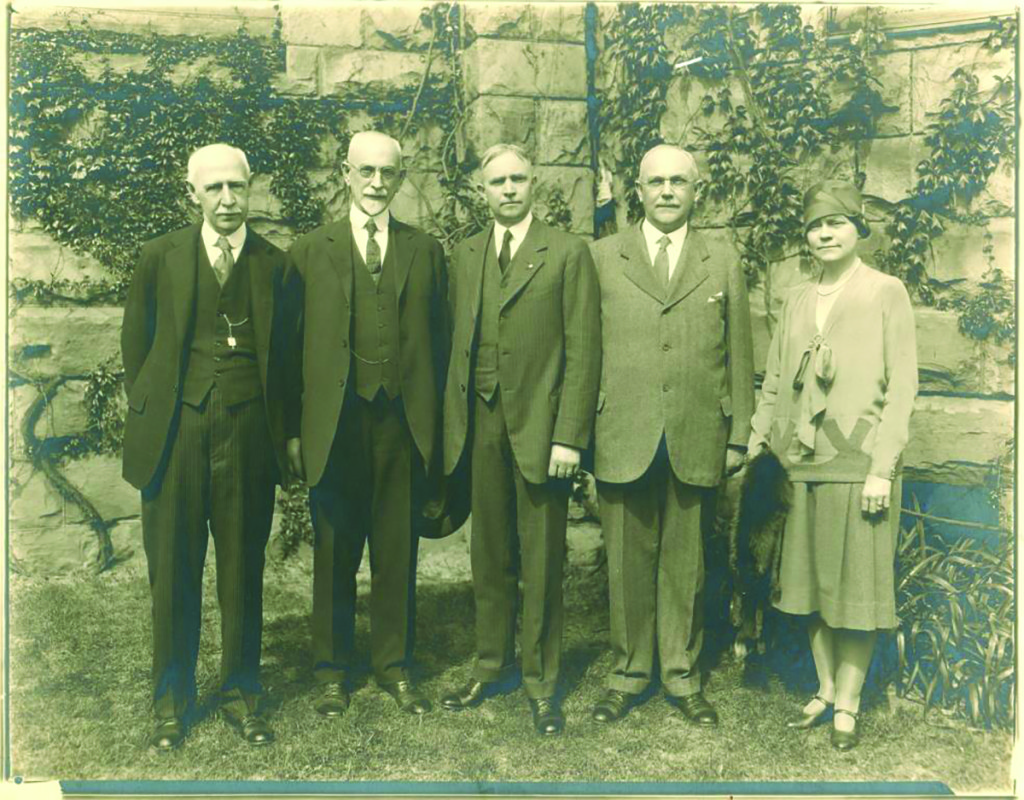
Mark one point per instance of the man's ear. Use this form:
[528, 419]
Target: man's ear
[480, 190]
[192, 192]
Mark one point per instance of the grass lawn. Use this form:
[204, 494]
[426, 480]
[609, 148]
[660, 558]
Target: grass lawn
[80, 704]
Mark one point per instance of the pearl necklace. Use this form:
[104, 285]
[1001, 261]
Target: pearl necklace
[840, 283]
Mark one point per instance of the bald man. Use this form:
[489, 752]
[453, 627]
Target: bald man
[372, 367]
[205, 343]
[673, 417]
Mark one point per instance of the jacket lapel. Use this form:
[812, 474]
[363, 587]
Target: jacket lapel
[477, 246]
[691, 271]
[183, 262]
[528, 260]
[339, 252]
[261, 293]
[637, 267]
[842, 301]
[403, 253]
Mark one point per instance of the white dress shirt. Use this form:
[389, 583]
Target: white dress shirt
[518, 234]
[358, 218]
[675, 243]
[210, 237]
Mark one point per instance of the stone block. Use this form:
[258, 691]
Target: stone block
[563, 135]
[262, 203]
[512, 120]
[334, 26]
[577, 186]
[503, 20]
[329, 186]
[35, 255]
[95, 64]
[343, 71]
[956, 440]
[931, 72]
[421, 150]
[418, 200]
[64, 341]
[206, 67]
[394, 26]
[19, 400]
[958, 252]
[997, 198]
[258, 19]
[65, 414]
[527, 69]
[276, 231]
[51, 552]
[891, 166]
[558, 22]
[99, 479]
[34, 503]
[302, 67]
[948, 361]
[894, 70]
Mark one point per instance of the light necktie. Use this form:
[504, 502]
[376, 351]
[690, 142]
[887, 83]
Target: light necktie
[372, 250]
[222, 266]
[661, 260]
[505, 256]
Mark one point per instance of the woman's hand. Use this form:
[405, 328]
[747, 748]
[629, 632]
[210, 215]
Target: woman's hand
[874, 498]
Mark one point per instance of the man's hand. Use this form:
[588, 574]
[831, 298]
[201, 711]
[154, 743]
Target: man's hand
[874, 498]
[564, 461]
[294, 451]
[734, 460]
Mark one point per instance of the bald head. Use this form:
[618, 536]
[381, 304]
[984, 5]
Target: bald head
[667, 186]
[373, 171]
[372, 142]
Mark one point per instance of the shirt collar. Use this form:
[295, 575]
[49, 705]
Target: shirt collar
[359, 218]
[518, 230]
[652, 235]
[210, 236]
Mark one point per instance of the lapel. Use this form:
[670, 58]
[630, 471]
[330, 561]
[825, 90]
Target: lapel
[477, 247]
[841, 302]
[260, 290]
[339, 253]
[183, 264]
[528, 260]
[690, 271]
[637, 265]
[400, 237]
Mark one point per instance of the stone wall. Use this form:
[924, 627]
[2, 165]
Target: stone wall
[525, 73]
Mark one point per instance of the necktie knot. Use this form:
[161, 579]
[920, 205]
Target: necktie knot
[225, 261]
[661, 266]
[371, 226]
[505, 256]
[373, 255]
[664, 242]
[224, 245]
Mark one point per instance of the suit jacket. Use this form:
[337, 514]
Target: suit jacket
[549, 330]
[677, 363]
[156, 337]
[323, 258]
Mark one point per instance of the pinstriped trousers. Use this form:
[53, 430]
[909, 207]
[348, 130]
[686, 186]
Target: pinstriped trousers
[219, 480]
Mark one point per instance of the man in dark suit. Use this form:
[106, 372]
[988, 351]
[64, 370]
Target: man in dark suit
[519, 405]
[372, 373]
[673, 415]
[204, 343]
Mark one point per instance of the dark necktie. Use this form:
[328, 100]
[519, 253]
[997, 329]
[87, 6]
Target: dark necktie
[506, 251]
[372, 250]
[222, 266]
[661, 260]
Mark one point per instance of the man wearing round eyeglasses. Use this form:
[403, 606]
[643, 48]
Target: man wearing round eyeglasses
[373, 362]
[673, 417]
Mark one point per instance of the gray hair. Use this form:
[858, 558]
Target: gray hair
[500, 149]
[221, 148]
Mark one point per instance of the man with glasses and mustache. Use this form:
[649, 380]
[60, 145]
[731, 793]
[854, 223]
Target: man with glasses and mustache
[372, 365]
[673, 417]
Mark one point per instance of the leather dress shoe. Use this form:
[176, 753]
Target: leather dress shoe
[846, 740]
[469, 696]
[547, 716]
[696, 708]
[613, 706]
[333, 700]
[253, 727]
[804, 720]
[408, 697]
[168, 734]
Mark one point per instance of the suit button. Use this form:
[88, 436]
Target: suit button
[344, 343]
[341, 382]
[462, 388]
[664, 387]
[175, 389]
[666, 347]
[466, 353]
[216, 373]
[216, 358]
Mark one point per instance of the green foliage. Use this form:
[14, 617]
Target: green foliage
[559, 214]
[296, 527]
[957, 620]
[104, 394]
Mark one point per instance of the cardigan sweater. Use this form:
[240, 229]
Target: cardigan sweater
[856, 406]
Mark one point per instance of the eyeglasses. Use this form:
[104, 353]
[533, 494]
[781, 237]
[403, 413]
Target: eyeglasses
[387, 174]
[676, 182]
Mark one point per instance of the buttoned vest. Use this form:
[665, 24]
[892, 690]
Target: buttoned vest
[375, 331]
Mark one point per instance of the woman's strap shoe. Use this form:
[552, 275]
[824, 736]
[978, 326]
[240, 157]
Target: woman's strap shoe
[846, 740]
[805, 721]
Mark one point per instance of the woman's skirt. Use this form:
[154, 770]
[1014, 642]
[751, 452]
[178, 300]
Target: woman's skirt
[836, 561]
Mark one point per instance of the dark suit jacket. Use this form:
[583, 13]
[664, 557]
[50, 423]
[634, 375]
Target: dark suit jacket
[156, 336]
[678, 363]
[323, 258]
[549, 328]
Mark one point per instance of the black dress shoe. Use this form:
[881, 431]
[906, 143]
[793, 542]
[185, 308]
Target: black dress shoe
[547, 716]
[804, 720]
[408, 697]
[167, 735]
[613, 706]
[333, 700]
[253, 727]
[696, 708]
[846, 740]
[469, 696]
